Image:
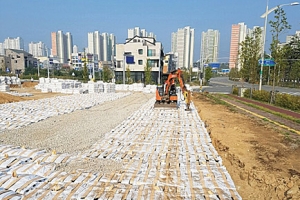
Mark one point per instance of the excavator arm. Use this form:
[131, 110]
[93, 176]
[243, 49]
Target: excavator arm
[166, 96]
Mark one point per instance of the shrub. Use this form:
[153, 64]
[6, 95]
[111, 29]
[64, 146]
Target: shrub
[247, 93]
[261, 95]
[288, 101]
[235, 91]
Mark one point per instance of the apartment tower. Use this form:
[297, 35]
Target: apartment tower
[37, 49]
[238, 35]
[137, 31]
[210, 44]
[62, 46]
[183, 45]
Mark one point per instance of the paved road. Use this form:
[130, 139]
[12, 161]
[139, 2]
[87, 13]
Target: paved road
[224, 85]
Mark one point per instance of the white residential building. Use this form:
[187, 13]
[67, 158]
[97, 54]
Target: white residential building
[210, 44]
[75, 49]
[37, 49]
[139, 32]
[105, 46]
[140, 50]
[62, 46]
[95, 43]
[101, 45]
[1, 49]
[69, 41]
[183, 45]
[11, 43]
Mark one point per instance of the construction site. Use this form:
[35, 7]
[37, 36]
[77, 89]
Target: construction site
[138, 142]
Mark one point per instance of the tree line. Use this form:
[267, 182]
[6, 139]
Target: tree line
[286, 71]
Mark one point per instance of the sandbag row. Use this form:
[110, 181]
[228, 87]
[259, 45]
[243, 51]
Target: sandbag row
[20, 114]
[9, 80]
[68, 86]
[138, 87]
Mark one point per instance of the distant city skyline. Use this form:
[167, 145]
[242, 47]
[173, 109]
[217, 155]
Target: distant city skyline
[35, 20]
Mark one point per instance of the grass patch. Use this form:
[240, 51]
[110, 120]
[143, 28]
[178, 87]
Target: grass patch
[265, 119]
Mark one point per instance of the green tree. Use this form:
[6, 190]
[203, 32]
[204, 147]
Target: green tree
[208, 74]
[292, 60]
[249, 55]
[85, 72]
[234, 74]
[148, 70]
[279, 25]
[128, 75]
[107, 74]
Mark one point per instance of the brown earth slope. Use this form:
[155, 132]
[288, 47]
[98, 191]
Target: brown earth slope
[262, 159]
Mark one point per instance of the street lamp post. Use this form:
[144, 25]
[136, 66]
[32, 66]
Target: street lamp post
[265, 15]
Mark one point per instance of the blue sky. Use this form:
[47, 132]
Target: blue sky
[34, 20]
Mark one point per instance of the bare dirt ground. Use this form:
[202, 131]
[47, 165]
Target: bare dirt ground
[262, 159]
[26, 87]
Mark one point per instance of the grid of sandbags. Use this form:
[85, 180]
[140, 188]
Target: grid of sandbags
[10, 80]
[20, 114]
[109, 87]
[137, 87]
[59, 85]
[121, 87]
[150, 89]
[163, 154]
[4, 88]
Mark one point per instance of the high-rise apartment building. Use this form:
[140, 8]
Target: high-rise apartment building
[238, 35]
[101, 45]
[69, 39]
[139, 32]
[1, 49]
[210, 44]
[62, 45]
[38, 49]
[105, 46]
[95, 45]
[183, 45]
[11, 43]
[75, 49]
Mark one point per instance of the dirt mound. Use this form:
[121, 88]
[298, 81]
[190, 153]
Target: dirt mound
[7, 98]
[26, 87]
[29, 84]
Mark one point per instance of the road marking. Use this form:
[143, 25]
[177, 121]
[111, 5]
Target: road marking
[262, 117]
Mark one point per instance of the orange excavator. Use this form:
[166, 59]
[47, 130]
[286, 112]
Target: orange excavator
[166, 95]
